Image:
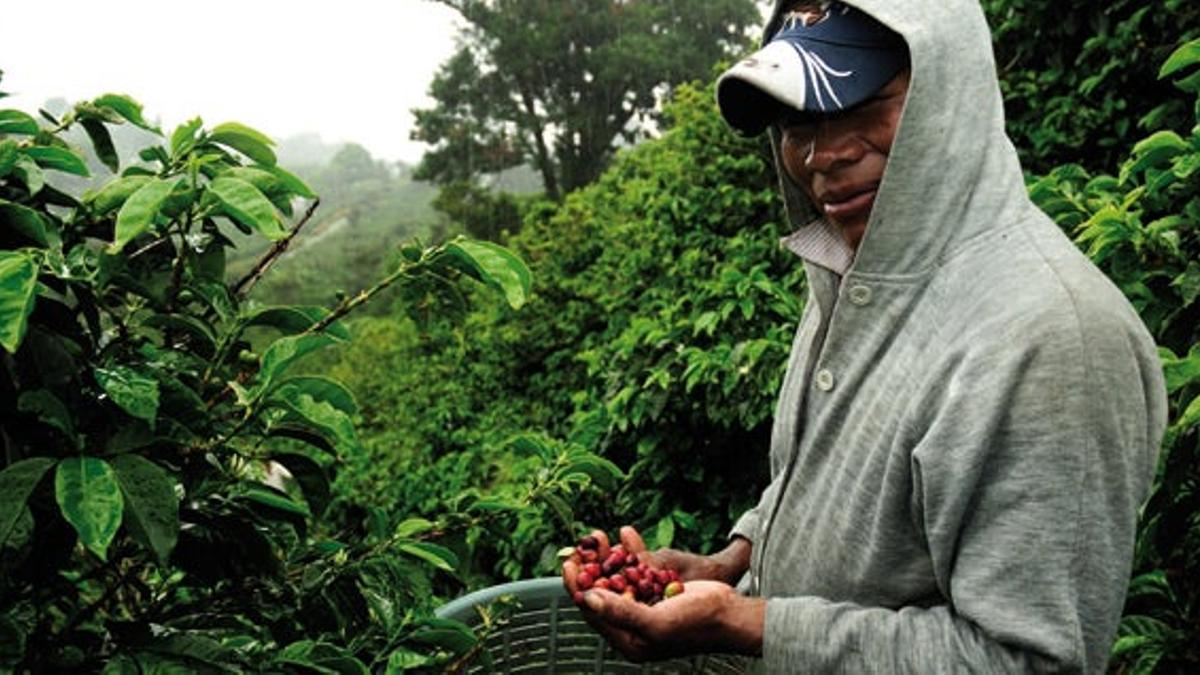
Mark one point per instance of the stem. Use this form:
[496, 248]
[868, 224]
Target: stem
[242, 288]
[351, 303]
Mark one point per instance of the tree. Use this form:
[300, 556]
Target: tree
[559, 84]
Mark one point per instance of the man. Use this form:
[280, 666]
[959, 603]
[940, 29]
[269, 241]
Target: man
[971, 413]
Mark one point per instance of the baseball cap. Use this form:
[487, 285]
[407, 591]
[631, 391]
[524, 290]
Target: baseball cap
[826, 57]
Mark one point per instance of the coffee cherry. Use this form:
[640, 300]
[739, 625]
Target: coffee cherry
[617, 583]
[621, 572]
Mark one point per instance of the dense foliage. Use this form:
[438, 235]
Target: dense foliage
[1080, 78]
[164, 491]
[656, 336]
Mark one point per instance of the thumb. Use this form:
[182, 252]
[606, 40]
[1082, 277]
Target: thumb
[615, 610]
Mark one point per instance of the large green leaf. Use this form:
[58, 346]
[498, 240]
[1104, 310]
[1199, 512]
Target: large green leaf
[438, 556]
[284, 351]
[17, 122]
[247, 205]
[450, 635]
[134, 393]
[29, 223]
[18, 290]
[126, 107]
[184, 136]
[8, 156]
[114, 194]
[324, 389]
[245, 140]
[50, 410]
[16, 483]
[151, 505]
[30, 174]
[140, 209]
[90, 500]
[59, 159]
[495, 266]
[321, 415]
[1186, 55]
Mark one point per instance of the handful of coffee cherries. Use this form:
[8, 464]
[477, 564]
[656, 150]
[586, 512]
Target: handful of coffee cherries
[621, 572]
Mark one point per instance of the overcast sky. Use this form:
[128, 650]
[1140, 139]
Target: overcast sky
[349, 70]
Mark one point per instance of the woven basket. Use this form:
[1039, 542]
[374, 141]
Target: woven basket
[547, 634]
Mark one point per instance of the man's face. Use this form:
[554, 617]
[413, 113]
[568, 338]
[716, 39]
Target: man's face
[838, 159]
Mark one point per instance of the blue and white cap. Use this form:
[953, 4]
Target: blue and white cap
[825, 57]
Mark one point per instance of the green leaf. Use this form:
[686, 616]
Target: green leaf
[438, 556]
[18, 291]
[184, 136]
[664, 532]
[59, 159]
[29, 223]
[114, 194]
[452, 636]
[245, 140]
[323, 417]
[291, 182]
[8, 156]
[203, 342]
[151, 504]
[103, 144]
[30, 174]
[269, 497]
[284, 351]
[17, 482]
[1188, 283]
[326, 390]
[246, 204]
[135, 394]
[1187, 54]
[402, 660]
[17, 122]
[126, 107]
[493, 265]
[412, 527]
[90, 499]
[50, 410]
[138, 212]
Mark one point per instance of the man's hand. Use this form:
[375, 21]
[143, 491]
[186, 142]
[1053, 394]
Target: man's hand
[708, 616]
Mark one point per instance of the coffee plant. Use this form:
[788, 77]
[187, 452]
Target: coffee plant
[1141, 228]
[165, 469]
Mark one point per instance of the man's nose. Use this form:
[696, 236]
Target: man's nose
[833, 145]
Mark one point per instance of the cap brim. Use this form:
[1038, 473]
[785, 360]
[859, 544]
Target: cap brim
[753, 93]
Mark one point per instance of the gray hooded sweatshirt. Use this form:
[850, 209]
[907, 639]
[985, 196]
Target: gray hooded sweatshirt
[971, 413]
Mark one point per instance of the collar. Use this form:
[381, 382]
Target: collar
[821, 243]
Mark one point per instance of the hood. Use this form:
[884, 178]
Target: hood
[951, 143]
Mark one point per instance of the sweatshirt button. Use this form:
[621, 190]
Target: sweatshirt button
[860, 295]
[824, 380]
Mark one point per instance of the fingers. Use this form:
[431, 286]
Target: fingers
[632, 541]
[617, 611]
[570, 572]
